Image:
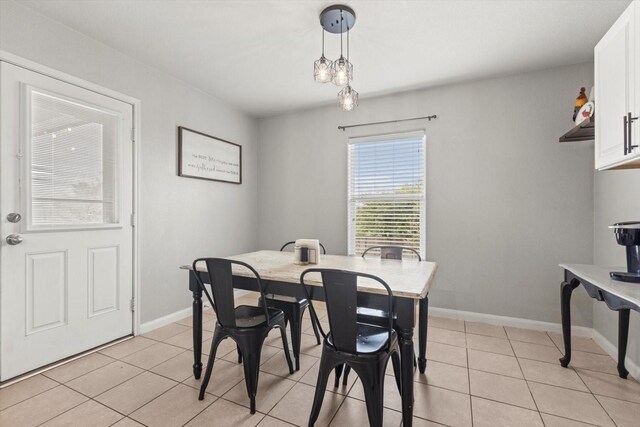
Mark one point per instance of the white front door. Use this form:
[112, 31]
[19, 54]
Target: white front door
[66, 168]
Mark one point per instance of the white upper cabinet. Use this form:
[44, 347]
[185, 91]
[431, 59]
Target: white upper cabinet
[617, 93]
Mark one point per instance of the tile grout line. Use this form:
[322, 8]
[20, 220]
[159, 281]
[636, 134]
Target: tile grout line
[56, 381]
[52, 388]
[536, 403]
[526, 382]
[157, 397]
[570, 419]
[35, 395]
[604, 409]
[602, 395]
[85, 373]
[81, 403]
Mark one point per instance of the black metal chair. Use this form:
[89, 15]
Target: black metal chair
[371, 315]
[392, 252]
[363, 347]
[293, 309]
[248, 326]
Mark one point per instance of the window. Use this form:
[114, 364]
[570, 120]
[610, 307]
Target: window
[72, 153]
[387, 191]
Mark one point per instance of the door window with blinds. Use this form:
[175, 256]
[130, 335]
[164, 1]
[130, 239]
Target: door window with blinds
[387, 191]
[71, 162]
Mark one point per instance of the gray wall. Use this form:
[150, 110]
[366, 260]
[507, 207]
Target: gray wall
[180, 218]
[617, 198]
[505, 202]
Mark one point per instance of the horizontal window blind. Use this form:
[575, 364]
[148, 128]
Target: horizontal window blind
[387, 192]
[72, 159]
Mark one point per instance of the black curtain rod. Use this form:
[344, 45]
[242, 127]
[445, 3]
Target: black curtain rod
[343, 128]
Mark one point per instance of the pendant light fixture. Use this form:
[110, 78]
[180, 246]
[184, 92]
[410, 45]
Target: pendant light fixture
[337, 19]
[347, 98]
[322, 72]
[342, 69]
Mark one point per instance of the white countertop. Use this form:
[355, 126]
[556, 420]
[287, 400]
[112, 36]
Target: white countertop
[599, 276]
[409, 278]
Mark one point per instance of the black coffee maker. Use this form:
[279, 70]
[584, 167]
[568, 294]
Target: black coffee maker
[628, 234]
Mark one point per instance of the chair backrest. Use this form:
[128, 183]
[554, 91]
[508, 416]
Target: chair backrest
[392, 252]
[220, 275]
[341, 296]
[293, 242]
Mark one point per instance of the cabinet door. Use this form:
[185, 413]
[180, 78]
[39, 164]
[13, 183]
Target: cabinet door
[635, 73]
[614, 86]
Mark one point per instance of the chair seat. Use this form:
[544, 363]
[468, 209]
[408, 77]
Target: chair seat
[284, 298]
[370, 338]
[248, 316]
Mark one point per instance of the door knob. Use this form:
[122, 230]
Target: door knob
[14, 239]
[14, 217]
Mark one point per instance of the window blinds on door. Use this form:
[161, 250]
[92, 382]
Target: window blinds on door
[72, 155]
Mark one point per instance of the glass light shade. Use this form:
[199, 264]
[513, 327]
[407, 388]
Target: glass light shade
[322, 70]
[342, 71]
[347, 98]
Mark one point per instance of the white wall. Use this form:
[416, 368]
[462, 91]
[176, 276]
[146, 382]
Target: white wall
[506, 203]
[617, 198]
[179, 218]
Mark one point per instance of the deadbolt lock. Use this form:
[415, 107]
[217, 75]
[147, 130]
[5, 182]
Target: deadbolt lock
[14, 217]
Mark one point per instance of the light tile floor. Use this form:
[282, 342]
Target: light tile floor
[477, 375]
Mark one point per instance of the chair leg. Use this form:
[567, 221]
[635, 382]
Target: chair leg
[314, 323]
[215, 341]
[285, 346]
[296, 334]
[326, 366]
[338, 373]
[251, 364]
[395, 360]
[345, 378]
[239, 354]
[372, 378]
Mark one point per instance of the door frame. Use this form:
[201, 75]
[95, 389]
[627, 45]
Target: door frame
[137, 138]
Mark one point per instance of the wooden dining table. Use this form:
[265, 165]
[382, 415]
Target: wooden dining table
[410, 283]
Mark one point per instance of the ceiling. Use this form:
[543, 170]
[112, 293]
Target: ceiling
[258, 55]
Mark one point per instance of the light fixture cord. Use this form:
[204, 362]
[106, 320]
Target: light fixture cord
[322, 40]
[347, 42]
[341, 32]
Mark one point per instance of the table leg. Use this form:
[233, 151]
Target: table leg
[406, 362]
[197, 324]
[423, 318]
[566, 288]
[623, 335]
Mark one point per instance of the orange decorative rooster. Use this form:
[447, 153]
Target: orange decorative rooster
[580, 101]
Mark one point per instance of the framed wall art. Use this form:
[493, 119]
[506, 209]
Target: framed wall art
[204, 156]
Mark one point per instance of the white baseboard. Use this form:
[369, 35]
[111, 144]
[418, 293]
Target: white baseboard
[516, 322]
[178, 315]
[164, 320]
[612, 350]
